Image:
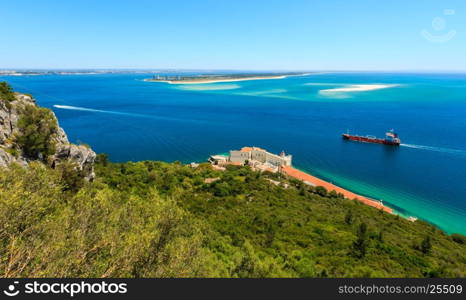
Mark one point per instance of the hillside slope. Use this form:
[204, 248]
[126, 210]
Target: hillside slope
[297, 231]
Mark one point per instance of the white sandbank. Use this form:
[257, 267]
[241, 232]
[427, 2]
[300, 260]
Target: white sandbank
[215, 87]
[358, 88]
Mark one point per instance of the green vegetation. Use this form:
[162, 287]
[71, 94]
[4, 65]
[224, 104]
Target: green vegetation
[95, 232]
[155, 219]
[6, 94]
[37, 126]
[426, 245]
[298, 231]
[360, 245]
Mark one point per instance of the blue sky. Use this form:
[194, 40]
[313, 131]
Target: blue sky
[247, 35]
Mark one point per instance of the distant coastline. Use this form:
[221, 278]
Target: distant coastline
[67, 72]
[201, 79]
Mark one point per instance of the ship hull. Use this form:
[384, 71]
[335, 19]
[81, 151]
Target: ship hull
[364, 139]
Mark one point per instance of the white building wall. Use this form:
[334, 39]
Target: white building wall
[261, 156]
[287, 160]
[274, 159]
[238, 156]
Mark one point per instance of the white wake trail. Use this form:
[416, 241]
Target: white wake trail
[78, 108]
[69, 107]
[436, 149]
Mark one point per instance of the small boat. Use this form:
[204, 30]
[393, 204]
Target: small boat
[391, 138]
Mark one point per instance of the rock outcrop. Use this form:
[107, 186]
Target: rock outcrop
[81, 155]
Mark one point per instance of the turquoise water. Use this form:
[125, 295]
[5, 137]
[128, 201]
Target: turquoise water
[425, 177]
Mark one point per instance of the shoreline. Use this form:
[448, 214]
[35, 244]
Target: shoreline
[217, 80]
[305, 177]
[262, 160]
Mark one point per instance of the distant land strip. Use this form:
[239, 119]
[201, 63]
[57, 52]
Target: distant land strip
[200, 79]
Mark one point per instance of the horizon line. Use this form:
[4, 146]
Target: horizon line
[235, 70]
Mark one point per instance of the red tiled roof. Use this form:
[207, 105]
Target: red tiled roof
[249, 149]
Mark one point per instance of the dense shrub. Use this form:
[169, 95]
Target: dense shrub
[96, 232]
[6, 92]
[37, 127]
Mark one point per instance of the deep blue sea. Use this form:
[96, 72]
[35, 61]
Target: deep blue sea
[130, 119]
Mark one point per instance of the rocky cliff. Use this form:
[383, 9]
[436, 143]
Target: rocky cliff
[11, 111]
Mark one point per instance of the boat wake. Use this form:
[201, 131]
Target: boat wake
[112, 112]
[436, 149]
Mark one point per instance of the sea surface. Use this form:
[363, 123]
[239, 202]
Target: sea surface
[130, 119]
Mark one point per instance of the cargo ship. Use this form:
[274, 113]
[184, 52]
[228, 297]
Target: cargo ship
[391, 138]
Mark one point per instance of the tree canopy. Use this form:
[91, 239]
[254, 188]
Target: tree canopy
[155, 219]
[37, 126]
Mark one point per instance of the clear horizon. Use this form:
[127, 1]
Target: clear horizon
[362, 36]
[233, 70]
